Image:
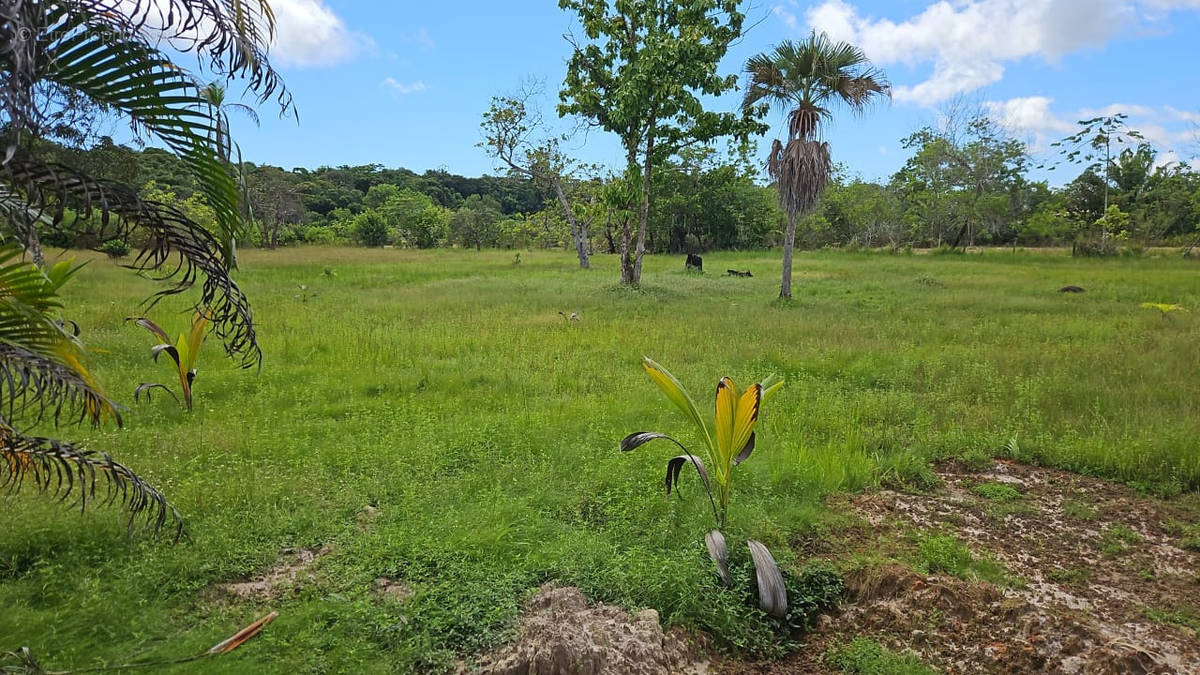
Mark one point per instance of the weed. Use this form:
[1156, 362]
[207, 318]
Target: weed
[1073, 508]
[1069, 575]
[865, 656]
[947, 554]
[997, 492]
[1117, 540]
[1184, 617]
[976, 459]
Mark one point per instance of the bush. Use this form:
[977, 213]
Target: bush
[320, 235]
[115, 248]
[1093, 248]
[370, 229]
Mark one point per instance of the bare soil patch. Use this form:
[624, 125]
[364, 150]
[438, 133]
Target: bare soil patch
[291, 570]
[1098, 579]
[562, 634]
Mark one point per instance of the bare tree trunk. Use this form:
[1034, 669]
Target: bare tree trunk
[644, 211]
[789, 240]
[628, 270]
[578, 229]
[612, 246]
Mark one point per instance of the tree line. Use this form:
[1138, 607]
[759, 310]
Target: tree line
[965, 184]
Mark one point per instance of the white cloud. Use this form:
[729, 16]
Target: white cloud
[968, 43]
[309, 34]
[1029, 114]
[403, 89]
[1131, 109]
[1034, 119]
[1193, 117]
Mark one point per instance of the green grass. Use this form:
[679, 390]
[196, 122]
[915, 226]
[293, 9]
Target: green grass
[443, 388]
[1078, 510]
[1118, 539]
[940, 553]
[864, 656]
[997, 492]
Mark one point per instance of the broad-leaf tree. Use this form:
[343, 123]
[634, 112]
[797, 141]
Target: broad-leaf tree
[514, 134]
[807, 78]
[640, 74]
[63, 65]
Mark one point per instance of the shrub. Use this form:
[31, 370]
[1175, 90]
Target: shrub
[1093, 248]
[115, 248]
[320, 235]
[370, 229]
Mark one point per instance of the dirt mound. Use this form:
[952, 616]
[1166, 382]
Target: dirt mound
[561, 634]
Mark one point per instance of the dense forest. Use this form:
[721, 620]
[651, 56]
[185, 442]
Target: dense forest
[964, 184]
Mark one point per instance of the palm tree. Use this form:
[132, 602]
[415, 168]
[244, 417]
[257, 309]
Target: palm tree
[807, 78]
[112, 63]
[214, 94]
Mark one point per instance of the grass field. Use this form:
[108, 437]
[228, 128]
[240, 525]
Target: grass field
[443, 389]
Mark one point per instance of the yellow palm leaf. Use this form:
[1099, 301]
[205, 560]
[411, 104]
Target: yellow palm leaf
[676, 394]
[745, 417]
[726, 409]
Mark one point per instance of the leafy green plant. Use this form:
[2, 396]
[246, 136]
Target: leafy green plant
[997, 492]
[183, 353]
[371, 229]
[729, 443]
[947, 554]
[865, 656]
[1164, 309]
[115, 248]
[1117, 540]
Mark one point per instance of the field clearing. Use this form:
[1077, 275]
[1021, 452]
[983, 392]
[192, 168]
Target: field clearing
[444, 390]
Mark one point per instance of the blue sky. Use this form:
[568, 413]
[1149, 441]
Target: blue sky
[405, 83]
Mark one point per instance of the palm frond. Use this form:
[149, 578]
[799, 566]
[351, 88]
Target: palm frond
[158, 97]
[64, 470]
[177, 248]
[33, 387]
[229, 37]
[41, 363]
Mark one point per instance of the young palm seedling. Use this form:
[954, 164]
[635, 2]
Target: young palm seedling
[184, 353]
[727, 444]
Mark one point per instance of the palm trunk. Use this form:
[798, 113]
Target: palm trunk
[789, 240]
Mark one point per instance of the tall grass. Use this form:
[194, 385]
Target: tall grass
[444, 389]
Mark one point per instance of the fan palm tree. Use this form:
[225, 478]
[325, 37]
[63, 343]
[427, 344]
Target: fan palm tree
[807, 78]
[112, 60]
